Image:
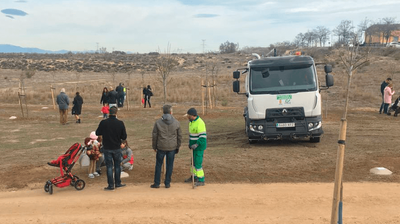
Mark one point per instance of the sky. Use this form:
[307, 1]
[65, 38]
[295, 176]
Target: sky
[193, 26]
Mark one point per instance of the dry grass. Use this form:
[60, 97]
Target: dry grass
[184, 84]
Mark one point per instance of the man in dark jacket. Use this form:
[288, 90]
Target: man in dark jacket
[166, 138]
[63, 103]
[120, 91]
[383, 86]
[112, 98]
[112, 131]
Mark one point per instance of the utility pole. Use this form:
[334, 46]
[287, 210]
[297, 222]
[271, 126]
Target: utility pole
[203, 44]
[97, 46]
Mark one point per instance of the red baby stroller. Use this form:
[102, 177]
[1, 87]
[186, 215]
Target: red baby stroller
[66, 162]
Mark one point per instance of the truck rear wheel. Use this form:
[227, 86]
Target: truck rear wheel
[315, 139]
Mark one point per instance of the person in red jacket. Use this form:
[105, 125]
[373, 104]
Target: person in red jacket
[105, 110]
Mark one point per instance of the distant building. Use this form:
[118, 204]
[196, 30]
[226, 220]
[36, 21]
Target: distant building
[377, 34]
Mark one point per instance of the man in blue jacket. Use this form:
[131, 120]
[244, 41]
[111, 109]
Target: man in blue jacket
[63, 103]
[113, 132]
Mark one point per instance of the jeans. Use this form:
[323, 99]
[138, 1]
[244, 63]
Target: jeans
[382, 105]
[386, 108]
[98, 163]
[113, 159]
[147, 100]
[170, 156]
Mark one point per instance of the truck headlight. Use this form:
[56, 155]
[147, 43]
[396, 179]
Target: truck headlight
[314, 125]
[256, 128]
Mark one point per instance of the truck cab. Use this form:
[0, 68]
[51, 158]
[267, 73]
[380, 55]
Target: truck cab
[283, 98]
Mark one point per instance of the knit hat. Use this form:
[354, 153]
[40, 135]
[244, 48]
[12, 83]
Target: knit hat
[192, 112]
[93, 135]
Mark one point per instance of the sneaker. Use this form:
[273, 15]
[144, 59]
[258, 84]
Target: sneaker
[131, 167]
[96, 174]
[155, 186]
[167, 185]
[91, 175]
[189, 180]
[108, 188]
[197, 184]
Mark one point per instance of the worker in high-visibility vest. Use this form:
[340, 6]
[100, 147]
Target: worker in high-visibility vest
[197, 143]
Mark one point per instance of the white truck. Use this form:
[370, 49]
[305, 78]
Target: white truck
[283, 98]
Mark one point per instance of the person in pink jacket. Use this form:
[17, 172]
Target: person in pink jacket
[388, 93]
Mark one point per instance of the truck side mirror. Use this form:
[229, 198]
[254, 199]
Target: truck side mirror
[236, 86]
[328, 68]
[329, 80]
[236, 74]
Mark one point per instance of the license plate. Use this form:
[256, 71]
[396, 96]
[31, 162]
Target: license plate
[285, 125]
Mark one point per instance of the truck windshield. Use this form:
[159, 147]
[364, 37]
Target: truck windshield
[282, 79]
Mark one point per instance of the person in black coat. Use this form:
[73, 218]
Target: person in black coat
[77, 108]
[120, 91]
[148, 93]
[104, 96]
[113, 132]
[112, 97]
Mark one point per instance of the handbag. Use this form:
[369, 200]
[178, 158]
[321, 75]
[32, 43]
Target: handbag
[84, 159]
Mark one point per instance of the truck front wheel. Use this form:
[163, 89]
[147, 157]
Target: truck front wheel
[252, 141]
[315, 139]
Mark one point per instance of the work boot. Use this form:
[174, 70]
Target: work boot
[197, 184]
[189, 180]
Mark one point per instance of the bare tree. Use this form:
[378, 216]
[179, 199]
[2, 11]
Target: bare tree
[363, 26]
[165, 64]
[344, 31]
[321, 34]
[310, 37]
[228, 47]
[352, 58]
[299, 40]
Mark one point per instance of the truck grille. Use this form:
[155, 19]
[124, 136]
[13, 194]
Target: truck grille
[279, 113]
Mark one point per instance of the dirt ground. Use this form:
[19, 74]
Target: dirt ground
[301, 203]
[267, 182]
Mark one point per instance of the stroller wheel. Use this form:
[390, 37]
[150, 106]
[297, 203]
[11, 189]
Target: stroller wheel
[46, 187]
[79, 185]
[73, 181]
[51, 189]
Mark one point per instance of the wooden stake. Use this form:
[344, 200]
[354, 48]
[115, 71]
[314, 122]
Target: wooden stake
[202, 95]
[20, 103]
[214, 100]
[339, 171]
[141, 96]
[209, 95]
[52, 96]
[127, 98]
